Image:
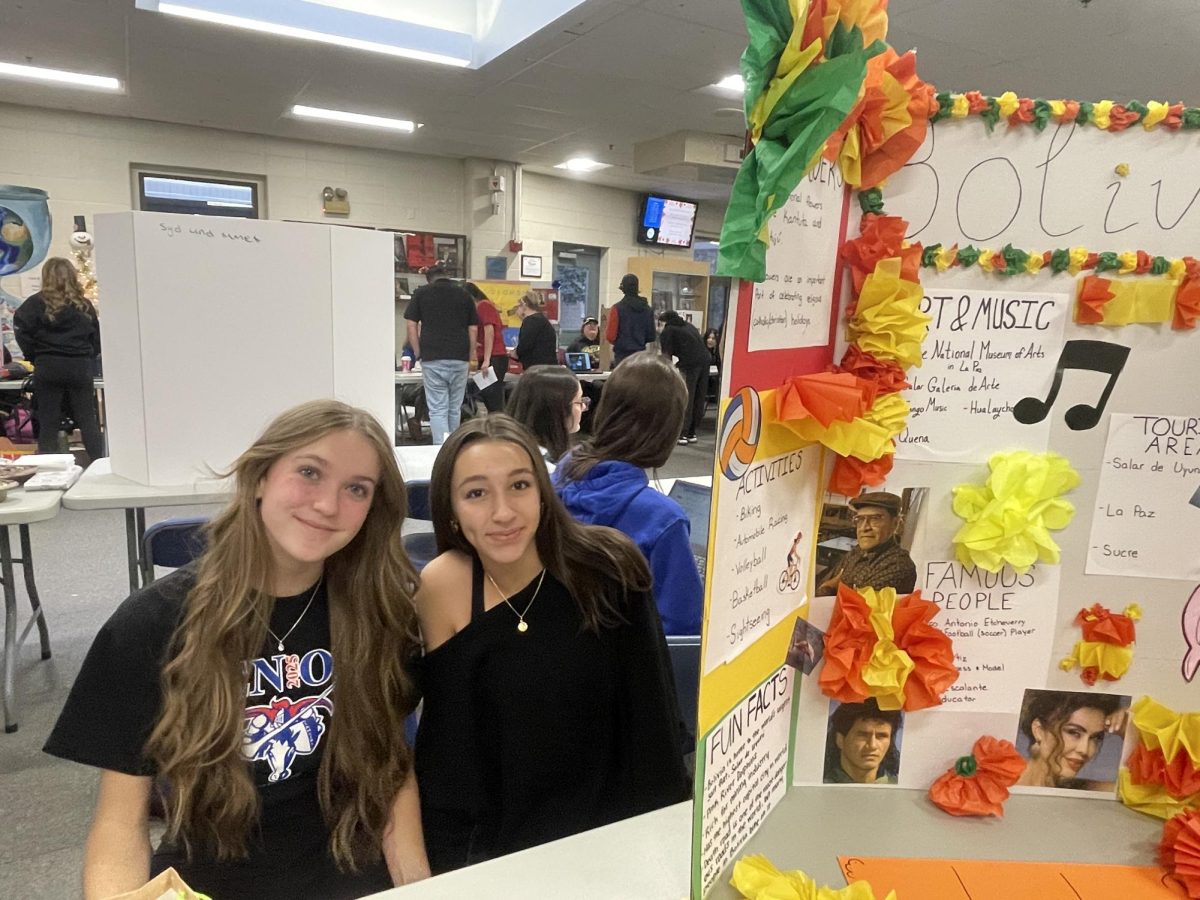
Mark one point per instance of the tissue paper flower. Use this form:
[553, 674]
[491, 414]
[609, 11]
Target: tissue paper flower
[883, 646]
[1187, 304]
[850, 475]
[880, 237]
[1094, 292]
[1163, 772]
[888, 321]
[827, 397]
[978, 784]
[1106, 650]
[1179, 850]
[1009, 518]
[866, 438]
[888, 377]
[755, 878]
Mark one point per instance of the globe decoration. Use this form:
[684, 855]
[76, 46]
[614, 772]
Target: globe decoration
[741, 427]
[25, 229]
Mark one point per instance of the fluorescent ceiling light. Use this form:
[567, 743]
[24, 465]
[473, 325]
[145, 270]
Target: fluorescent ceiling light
[58, 76]
[732, 83]
[350, 118]
[292, 31]
[582, 164]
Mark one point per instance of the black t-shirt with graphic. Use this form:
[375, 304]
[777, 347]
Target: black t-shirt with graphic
[116, 700]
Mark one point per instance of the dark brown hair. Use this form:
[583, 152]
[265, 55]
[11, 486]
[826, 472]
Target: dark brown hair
[197, 741]
[541, 402]
[639, 419]
[599, 566]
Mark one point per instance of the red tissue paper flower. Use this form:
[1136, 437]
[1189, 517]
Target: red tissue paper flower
[850, 644]
[885, 373]
[1094, 292]
[880, 238]
[978, 784]
[851, 475]
[1179, 850]
[1102, 624]
[1179, 776]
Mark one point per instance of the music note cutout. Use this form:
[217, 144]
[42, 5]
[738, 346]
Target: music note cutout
[1090, 356]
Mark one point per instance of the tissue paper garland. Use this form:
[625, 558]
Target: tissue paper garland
[1103, 114]
[804, 69]
[756, 878]
[1009, 518]
[978, 784]
[1106, 650]
[1179, 850]
[1102, 301]
[1162, 774]
[883, 646]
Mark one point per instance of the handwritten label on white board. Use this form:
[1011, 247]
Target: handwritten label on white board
[791, 308]
[987, 349]
[745, 772]
[1147, 511]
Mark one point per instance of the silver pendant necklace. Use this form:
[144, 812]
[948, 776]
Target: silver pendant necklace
[522, 625]
[279, 640]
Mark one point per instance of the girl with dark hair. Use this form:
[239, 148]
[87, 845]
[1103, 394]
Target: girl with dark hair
[603, 481]
[549, 401]
[1065, 730]
[59, 332]
[489, 347]
[549, 701]
[218, 680]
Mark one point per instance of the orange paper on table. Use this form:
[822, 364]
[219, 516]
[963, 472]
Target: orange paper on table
[963, 879]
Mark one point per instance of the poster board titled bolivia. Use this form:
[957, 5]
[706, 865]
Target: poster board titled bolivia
[1147, 511]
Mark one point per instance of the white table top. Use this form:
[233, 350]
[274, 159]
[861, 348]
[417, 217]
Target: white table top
[16, 384]
[645, 857]
[416, 460]
[99, 488]
[21, 507]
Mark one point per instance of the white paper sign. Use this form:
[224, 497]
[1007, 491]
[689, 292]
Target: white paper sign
[1147, 512]
[1002, 626]
[791, 307]
[762, 519]
[745, 771]
[484, 378]
[987, 349]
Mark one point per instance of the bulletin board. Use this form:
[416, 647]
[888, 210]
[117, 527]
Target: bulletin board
[982, 310]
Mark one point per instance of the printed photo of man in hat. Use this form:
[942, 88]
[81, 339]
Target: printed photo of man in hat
[877, 561]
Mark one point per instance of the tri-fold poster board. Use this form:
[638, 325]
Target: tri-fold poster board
[1030, 346]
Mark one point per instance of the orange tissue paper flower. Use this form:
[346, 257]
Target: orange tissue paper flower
[978, 784]
[827, 397]
[894, 116]
[883, 646]
[1187, 304]
[1102, 624]
[885, 374]
[1179, 850]
[1094, 292]
[1179, 776]
[880, 237]
[1121, 118]
[851, 475]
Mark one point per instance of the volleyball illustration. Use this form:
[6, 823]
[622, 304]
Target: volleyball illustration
[740, 429]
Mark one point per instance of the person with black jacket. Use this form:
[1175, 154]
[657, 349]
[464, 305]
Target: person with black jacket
[680, 339]
[58, 330]
[630, 322]
[537, 342]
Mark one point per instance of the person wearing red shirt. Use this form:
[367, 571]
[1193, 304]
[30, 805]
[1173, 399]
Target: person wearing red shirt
[489, 348]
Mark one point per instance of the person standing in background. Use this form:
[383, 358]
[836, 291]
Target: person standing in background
[59, 332]
[630, 322]
[442, 326]
[489, 349]
[537, 344]
[679, 338]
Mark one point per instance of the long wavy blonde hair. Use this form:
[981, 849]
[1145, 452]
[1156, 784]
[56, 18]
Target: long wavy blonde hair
[61, 288]
[197, 741]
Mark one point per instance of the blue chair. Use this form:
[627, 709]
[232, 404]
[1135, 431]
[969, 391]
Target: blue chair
[684, 650]
[420, 546]
[172, 543]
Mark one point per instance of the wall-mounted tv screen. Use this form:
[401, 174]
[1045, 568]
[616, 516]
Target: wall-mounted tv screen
[666, 222]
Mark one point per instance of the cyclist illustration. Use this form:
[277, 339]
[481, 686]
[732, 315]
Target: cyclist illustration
[789, 578]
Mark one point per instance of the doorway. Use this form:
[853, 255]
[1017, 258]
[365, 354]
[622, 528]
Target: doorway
[577, 270]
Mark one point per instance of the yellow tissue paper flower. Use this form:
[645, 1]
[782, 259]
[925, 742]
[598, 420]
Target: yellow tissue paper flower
[1034, 264]
[888, 668]
[1155, 113]
[1107, 659]
[888, 321]
[1177, 269]
[1058, 108]
[755, 878]
[945, 257]
[987, 257]
[1133, 611]
[1152, 799]
[1128, 260]
[1009, 518]
[960, 106]
[1161, 728]
[1009, 103]
[1102, 113]
[865, 438]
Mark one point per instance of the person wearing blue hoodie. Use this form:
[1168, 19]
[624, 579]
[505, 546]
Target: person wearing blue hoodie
[603, 481]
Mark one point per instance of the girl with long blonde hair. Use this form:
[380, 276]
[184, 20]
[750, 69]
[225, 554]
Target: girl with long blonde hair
[217, 682]
[59, 332]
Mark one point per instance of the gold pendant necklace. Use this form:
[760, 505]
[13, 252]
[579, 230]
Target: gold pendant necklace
[522, 625]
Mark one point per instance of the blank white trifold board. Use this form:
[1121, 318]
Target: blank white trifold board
[212, 326]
